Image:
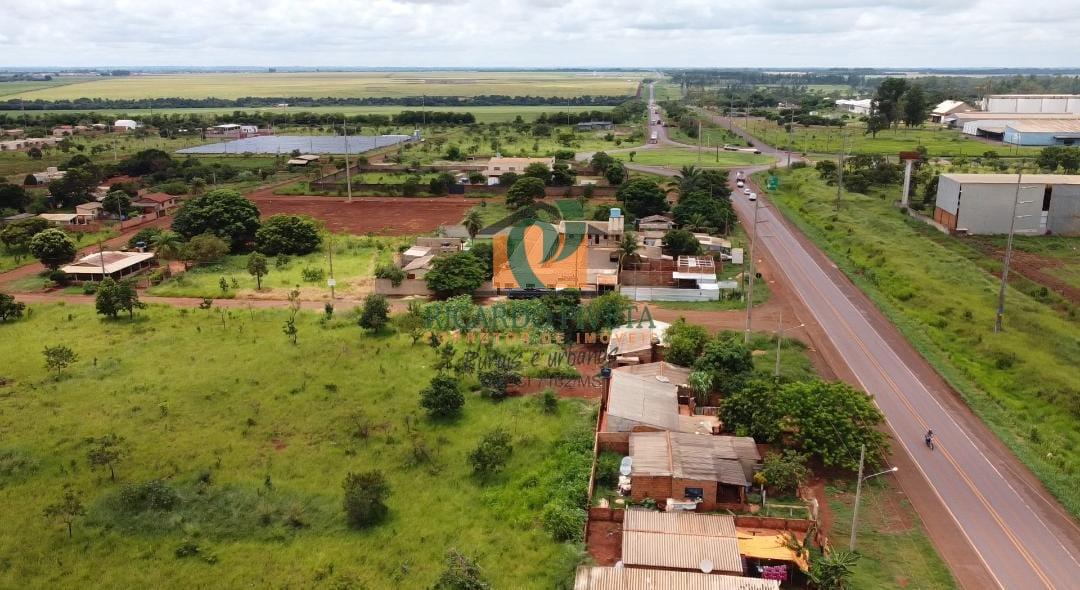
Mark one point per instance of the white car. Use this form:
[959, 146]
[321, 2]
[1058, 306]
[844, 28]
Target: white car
[746, 191]
[739, 183]
[752, 196]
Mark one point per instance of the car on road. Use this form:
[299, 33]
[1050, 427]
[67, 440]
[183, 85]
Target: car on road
[746, 191]
[752, 196]
[739, 183]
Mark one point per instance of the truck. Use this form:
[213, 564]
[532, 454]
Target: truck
[654, 138]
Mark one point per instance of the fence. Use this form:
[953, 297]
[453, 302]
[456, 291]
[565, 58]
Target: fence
[669, 294]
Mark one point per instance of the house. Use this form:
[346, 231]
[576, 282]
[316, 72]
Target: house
[709, 472]
[88, 212]
[1032, 103]
[1042, 132]
[309, 157]
[595, 126]
[62, 219]
[498, 165]
[636, 343]
[651, 397]
[454, 231]
[947, 108]
[418, 268]
[680, 540]
[661, 223]
[125, 125]
[985, 204]
[440, 245]
[16, 217]
[95, 267]
[695, 272]
[50, 174]
[63, 131]
[858, 107]
[296, 162]
[713, 243]
[16, 133]
[155, 204]
[624, 578]
[232, 130]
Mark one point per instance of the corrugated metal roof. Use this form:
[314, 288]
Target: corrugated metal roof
[674, 374]
[680, 551]
[1045, 126]
[725, 459]
[644, 398]
[610, 578]
[1012, 179]
[680, 523]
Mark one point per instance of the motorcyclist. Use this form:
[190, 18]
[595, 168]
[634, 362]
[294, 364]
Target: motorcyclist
[929, 437]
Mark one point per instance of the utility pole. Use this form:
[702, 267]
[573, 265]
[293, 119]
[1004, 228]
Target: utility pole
[791, 125]
[1008, 255]
[858, 494]
[699, 141]
[348, 173]
[330, 251]
[780, 339]
[752, 272]
[840, 171]
[101, 257]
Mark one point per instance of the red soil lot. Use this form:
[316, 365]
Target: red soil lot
[393, 216]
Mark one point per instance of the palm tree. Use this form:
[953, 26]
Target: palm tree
[473, 222]
[627, 247]
[698, 222]
[166, 245]
[684, 181]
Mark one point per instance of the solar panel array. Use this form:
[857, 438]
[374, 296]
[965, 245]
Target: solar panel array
[308, 144]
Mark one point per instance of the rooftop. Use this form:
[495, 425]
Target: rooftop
[1012, 178]
[113, 261]
[725, 459]
[1045, 126]
[680, 540]
[610, 578]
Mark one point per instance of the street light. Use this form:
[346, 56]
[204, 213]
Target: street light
[858, 494]
[780, 338]
[753, 273]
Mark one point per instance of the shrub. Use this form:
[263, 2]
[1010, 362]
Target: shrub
[391, 272]
[149, 495]
[288, 234]
[785, 472]
[312, 274]
[442, 397]
[364, 498]
[549, 401]
[607, 469]
[492, 453]
[563, 521]
[376, 312]
[461, 573]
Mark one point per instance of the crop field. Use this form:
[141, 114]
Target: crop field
[942, 295]
[686, 157]
[346, 85]
[830, 140]
[12, 89]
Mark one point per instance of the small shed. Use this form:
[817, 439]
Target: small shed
[712, 471]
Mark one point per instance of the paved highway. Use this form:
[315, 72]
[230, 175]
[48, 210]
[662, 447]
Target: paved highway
[1024, 539]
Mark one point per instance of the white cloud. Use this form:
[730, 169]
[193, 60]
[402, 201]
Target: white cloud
[540, 33]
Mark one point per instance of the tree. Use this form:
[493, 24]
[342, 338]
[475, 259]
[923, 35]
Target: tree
[600, 162]
[686, 180]
[440, 185]
[412, 322]
[716, 212]
[607, 311]
[16, 235]
[117, 202]
[288, 234]
[34, 153]
[642, 198]
[876, 122]
[258, 268]
[69, 508]
[728, 360]
[107, 451]
[53, 248]
[562, 175]
[492, 453]
[680, 242]
[914, 106]
[888, 99]
[127, 298]
[538, 170]
[13, 196]
[204, 248]
[785, 472]
[461, 573]
[831, 571]
[628, 247]
[508, 178]
[375, 313]
[685, 342]
[167, 245]
[525, 192]
[473, 222]
[105, 298]
[74, 187]
[616, 173]
[9, 308]
[455, 274]
[499, 377]
[365, 498]
[453, 153]
[224, 213]
[58, 358]
[442, 398]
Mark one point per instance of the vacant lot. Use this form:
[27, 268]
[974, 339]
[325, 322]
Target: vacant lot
[686, 157]
[1022, 381]
[346, 85]
[256, 435]
[391, 216]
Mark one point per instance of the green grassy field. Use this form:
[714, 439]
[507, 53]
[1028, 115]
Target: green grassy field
[944, 303]
[10, 89]
[830, 140]
[684, 157]
[712, 135]
[354, 261]
[1061, 253]
[346, 85]
[256, 436]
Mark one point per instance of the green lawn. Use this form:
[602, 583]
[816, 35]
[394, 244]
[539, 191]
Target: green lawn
[684, 157]
[944, 302]
[354, 261]
[894, 551]
[256, 436]
[1062, 253]
[829, 140]
[712, 135]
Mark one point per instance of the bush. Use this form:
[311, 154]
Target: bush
[288, 234]
[144, 236]
[785, 472]
[391, 272]
[549, 401]
[375, 313]
[149, 495]
[312, 275]
[364, 498]
[461, 573]
[563, 521]
[442, 397]
[492, 453]
[607, 469]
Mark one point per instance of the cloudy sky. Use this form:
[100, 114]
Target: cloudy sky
[541, 33]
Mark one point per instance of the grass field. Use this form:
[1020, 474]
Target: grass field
[944, 303]
[1061, 252]
[712, 135]
[684, 157]
[830, 140]
[354, 261]
[11, 89]
[256, 436]
[346, 85]
[498, 114]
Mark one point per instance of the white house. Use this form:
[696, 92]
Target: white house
[125, 125]
[858, 107]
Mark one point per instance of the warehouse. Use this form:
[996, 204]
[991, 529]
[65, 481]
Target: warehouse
[1042, 132]
[983, 203]
[1032, 103]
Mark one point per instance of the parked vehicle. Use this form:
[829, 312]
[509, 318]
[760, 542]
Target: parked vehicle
[739, 183]
[753, 196]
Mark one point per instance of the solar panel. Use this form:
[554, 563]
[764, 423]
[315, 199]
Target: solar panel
[309, 144]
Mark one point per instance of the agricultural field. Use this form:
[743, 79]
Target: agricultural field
[249, 438]
[712, 135]
[684, 157]
[354, 263]
[346, 85]
[942, 295]
[12, 89]
[830, 140]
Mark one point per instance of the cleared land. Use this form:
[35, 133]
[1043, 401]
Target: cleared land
[256, 436]
[371, 215]
[346, 85]
[686, 157]
[1021, 382]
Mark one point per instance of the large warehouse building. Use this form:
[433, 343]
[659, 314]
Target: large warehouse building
[983, 203]
[1042, 132]
[1032, 103]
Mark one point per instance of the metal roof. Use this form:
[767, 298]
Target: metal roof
[680, 523]
[1045, 126]
[644, 399]
[114, 262]
[725, 459]
[946, 106]
[610, 578]
[310, 144]
[1012, 178]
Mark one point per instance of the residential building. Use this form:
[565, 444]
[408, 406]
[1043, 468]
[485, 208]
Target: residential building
[233, 130]
[595, 126]
[680, 541]
[624, 578]
[62, 219]
[50, 174]
[637, 343]
[1032, 103]
[858, 107]
[63, 131]
[454, 231]
[16, 217]
[691, 471]
[656, 223]
[696, 272]
[947, 108]
[89, 212]
[16, 133]
[1042, 132]
[985, 203]
[498, 165]
[116, 265]
[651, 397]
[156, 204]
[125, 125]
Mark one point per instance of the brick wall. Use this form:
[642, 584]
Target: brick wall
[618, 442]
[657, 488]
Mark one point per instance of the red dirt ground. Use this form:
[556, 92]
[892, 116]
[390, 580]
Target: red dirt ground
[605, 542]
[377, 215]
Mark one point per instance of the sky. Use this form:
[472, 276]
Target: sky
[542, 33]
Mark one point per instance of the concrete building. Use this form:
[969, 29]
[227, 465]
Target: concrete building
[108, 264]
[62, 219]
[1042, 132]
[595, 126]
[858, 107]
[983, 203]
[125, 125]
[1032, 103]
[498, 165]
[691, 471]
[946, 108]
